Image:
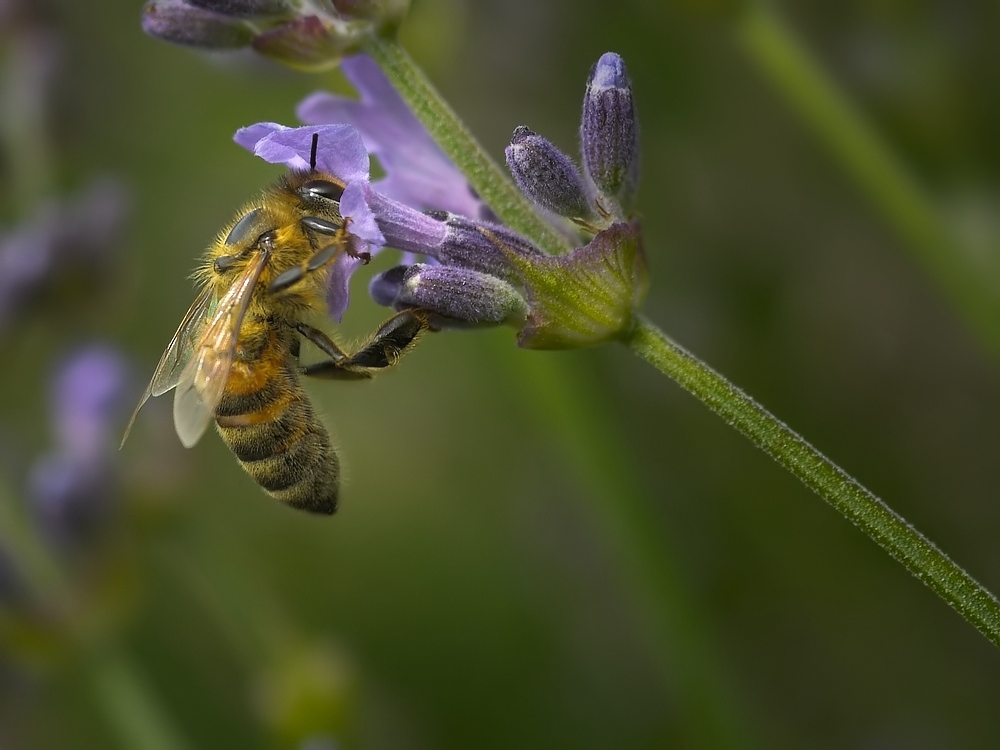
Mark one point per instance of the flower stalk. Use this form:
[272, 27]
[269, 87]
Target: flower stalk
[859, 505]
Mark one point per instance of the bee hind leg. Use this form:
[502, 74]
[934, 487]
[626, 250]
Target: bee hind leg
[383, 350]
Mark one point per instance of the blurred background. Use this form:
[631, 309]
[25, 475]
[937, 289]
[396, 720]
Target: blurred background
[533, 549]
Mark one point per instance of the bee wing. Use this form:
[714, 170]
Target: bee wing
[203, 379]
[177, 354]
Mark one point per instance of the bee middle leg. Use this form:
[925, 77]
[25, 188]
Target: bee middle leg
[383, 350]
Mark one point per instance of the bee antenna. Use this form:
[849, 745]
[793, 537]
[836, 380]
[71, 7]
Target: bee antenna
[312, 152]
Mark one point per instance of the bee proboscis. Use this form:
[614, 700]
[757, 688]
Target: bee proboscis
[235, 355]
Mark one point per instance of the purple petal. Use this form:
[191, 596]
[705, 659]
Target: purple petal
[361, 220]
[338, 293]
[406, 228]
[340, 152]
[418, 173]
[249, 136]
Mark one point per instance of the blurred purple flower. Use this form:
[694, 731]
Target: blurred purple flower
[417, 171]
[86, 396]
[72, 488]
[64, 235]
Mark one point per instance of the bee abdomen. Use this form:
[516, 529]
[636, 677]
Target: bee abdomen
[282, 444]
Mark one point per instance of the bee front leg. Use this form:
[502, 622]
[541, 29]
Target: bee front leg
[383, 350]
[341, 240]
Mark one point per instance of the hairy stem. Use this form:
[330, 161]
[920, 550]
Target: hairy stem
[485, 176]
[876, 519]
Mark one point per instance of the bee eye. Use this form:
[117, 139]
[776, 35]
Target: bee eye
[239, 233]
[331, 191]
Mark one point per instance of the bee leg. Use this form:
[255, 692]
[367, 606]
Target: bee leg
[383, 350]
[295, 274]
[332, 367]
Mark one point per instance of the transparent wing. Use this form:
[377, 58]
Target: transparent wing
[177, 354]
[203, 380]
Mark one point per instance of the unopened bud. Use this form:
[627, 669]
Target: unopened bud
[245, 8]
[173, 21]
[458, 297]
[609, 131]
[546, 175]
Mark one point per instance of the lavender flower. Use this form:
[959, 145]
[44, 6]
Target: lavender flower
[72, 487]
[305, 35]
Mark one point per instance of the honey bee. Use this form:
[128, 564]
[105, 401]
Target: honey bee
[235, 355]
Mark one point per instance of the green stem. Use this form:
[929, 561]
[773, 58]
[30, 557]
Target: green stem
[876, 519]
[772, 46]
[507, 202]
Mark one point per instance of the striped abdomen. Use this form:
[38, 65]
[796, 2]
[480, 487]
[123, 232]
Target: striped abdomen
[268, 422]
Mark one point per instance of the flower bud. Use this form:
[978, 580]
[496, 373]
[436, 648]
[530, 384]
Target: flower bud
[609, 131]
[245, 8]
[587, 297]
[546, 175]
[460, 297]
[306, 44]
[173, 21]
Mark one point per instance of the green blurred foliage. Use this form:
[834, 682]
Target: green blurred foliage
[467, 594]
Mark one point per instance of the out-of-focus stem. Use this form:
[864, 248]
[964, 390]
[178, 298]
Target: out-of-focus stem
[856, 503]
[711, 714]
[26, 62]
[130, 707]
[772, 46]
[488, 179]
